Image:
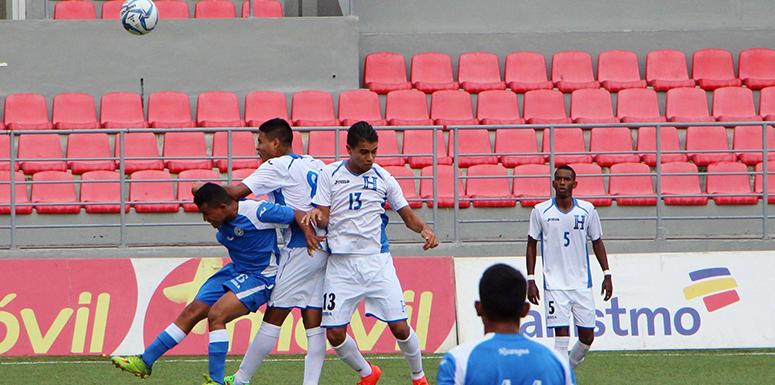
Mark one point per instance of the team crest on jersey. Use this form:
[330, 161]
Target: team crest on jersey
[239, 232]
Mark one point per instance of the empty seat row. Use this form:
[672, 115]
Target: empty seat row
[571, 70]
[168, 9]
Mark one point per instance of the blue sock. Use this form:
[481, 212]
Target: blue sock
[166, 340]
[216, 351]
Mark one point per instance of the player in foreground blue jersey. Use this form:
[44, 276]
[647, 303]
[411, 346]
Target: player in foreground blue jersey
[503, 356]
[248, 230]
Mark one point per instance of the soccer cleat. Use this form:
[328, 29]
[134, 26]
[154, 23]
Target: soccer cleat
[229, 380]
[421, 381]
[132, 364]
[372, 378]
[209, 381]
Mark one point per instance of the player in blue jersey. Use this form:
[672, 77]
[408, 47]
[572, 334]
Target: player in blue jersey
[503, 356]
[350, 202]
[248, 231]
[564, 225]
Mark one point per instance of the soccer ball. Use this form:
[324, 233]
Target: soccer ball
[139, 16]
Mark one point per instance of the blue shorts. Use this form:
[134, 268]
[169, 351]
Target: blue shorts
[253, 290]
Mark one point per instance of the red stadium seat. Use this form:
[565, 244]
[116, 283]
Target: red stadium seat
[122, 110]
[263, 9]
[74, 111]
[730, 184]
[89, 146]
[161, 191]
[687, 185]
[493, 192]
[516, 141]
[638, 105]
[421, 142]
[5, 154]
[757, 67]
[452, 107]
[445, 187]
[666, 69]
[74, 10]
[26, 112]
[750, 138]
[360, 105]
[218, 109]
[592, 106]
[714, 68]
[618, 70]
[243, 148]
[297, 144]
[405, 176]
[172, 9]
[111, 9]
[498, 107]
[21, 193]
[590, 184]
[479, 71]
[169, 109]
[767, 103]
[214, 9]
[631, 190]
[261, 106]
[193, 176]
[45, 194]
[545, 107]
[759, 181]
[612, 139]
[237, 177]
[532, 185]
[384, 72]
[407, 108]
[708, 139]
[191, 145]
[687, 105]
[668, 137]
[572, 70]
[45, 146]
[100, 191]
[432, 71]
[734, 104]
[566, 140]
[472, 142]
[322, 144]
[387, 152]
[526, 71]
[313, 108]
[138, 145]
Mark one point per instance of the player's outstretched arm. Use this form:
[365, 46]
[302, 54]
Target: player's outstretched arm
[318, 217]
[235, 191]
[602, 258]
[416, 224]
[530, 254]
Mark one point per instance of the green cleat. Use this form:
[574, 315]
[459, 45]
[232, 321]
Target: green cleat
[132, 364]
[209, 381]
[229, 380]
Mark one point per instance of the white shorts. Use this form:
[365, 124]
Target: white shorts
[560, 304]
[299, 281]
[372, 278]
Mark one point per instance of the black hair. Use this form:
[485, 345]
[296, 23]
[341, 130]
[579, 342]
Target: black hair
[502, 291]
[277, 129]
[359, 132]
[566, 167]
[212, 194]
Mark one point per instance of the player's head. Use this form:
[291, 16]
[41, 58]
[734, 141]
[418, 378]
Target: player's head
[275, 138]
[215, 204]
[362, 143]
[502, 292]
[564, 181]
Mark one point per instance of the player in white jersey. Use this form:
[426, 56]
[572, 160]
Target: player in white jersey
[504, 355]
[564, 225]
[288, 179]
[350, 202]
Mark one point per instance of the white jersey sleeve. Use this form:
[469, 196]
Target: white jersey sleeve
[323, 194]
[535, 230]
[594, 230]
[395, 196]
[272, 175]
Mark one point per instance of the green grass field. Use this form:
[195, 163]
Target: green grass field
[705, 367]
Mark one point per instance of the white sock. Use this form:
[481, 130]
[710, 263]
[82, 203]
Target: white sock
[349, 353]
[561, 345]
[578, 353]
[262, 345]
[175, 332]
[316, 353]
[411, 349]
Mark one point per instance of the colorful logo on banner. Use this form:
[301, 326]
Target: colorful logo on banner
[715, 285]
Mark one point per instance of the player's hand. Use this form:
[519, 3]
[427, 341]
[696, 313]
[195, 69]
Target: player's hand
[313, 217]
[532, 292]
[608, 288]
[430, 238]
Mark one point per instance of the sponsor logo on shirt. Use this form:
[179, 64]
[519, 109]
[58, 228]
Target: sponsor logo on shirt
[341, 181]
[553, 219]
[513, 352]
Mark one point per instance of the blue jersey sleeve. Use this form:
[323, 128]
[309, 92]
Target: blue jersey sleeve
[446, 375]
[272, 213]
